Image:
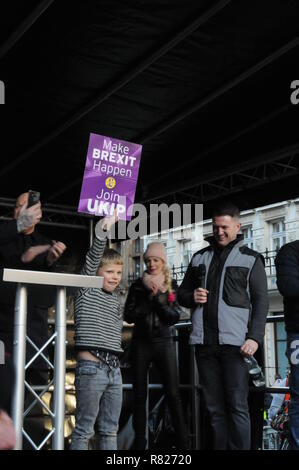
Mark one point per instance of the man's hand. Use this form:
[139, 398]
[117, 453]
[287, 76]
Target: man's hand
[7, 432]
[55, 252]
[33, 252]
[29, 217]
[200, 295]
[249, 347]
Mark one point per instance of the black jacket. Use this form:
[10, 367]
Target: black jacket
[40, 298]
[287, 272]
[153, 316]
[8, 232]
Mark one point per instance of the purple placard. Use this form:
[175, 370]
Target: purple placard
[110, 177]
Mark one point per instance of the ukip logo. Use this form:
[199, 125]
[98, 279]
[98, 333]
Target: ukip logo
[110, 182]
[2, 92]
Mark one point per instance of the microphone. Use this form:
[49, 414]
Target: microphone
[199, 276]
[255, 371]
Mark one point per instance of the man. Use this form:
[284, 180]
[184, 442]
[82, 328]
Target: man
[23, 247]
[25, 218]
[287, 272]
[228, 320]
[8, 232]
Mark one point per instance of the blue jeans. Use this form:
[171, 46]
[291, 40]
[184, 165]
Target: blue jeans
[99, 400]
[293, 357]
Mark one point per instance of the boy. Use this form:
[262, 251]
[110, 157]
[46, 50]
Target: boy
[98, 326]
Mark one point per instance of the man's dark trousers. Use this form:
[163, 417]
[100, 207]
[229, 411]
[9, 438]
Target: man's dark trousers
[224, 378]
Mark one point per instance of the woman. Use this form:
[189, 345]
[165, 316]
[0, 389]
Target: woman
[151, 305]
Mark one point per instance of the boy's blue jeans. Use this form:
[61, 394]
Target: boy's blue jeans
[293, 356]
[99, 400]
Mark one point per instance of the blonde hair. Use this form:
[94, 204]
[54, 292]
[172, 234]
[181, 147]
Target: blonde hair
[111, 256]
[166, 272]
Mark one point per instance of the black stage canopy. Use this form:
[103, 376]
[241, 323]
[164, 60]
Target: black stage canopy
[204, 85]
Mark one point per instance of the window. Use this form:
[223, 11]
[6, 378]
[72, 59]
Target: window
[137, 267]
[278, 234]
[185, 253]
[118, 247]
[280, 334]
[137, 246]
[248, 236]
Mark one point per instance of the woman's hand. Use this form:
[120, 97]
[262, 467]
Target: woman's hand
[154, 288]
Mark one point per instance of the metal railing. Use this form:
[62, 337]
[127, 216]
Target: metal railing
[61, 281]
[271, 437]
[269, 257]
[178, 272]
[193, 387]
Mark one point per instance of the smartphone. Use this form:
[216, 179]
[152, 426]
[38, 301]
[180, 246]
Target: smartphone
[33, 198]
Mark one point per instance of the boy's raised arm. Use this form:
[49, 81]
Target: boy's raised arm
[97, 248]
[94, 257]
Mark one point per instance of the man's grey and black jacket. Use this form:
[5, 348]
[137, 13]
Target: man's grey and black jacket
[287, 271]
[237, 304]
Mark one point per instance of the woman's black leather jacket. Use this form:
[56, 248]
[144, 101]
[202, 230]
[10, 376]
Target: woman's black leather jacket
[153, 315]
